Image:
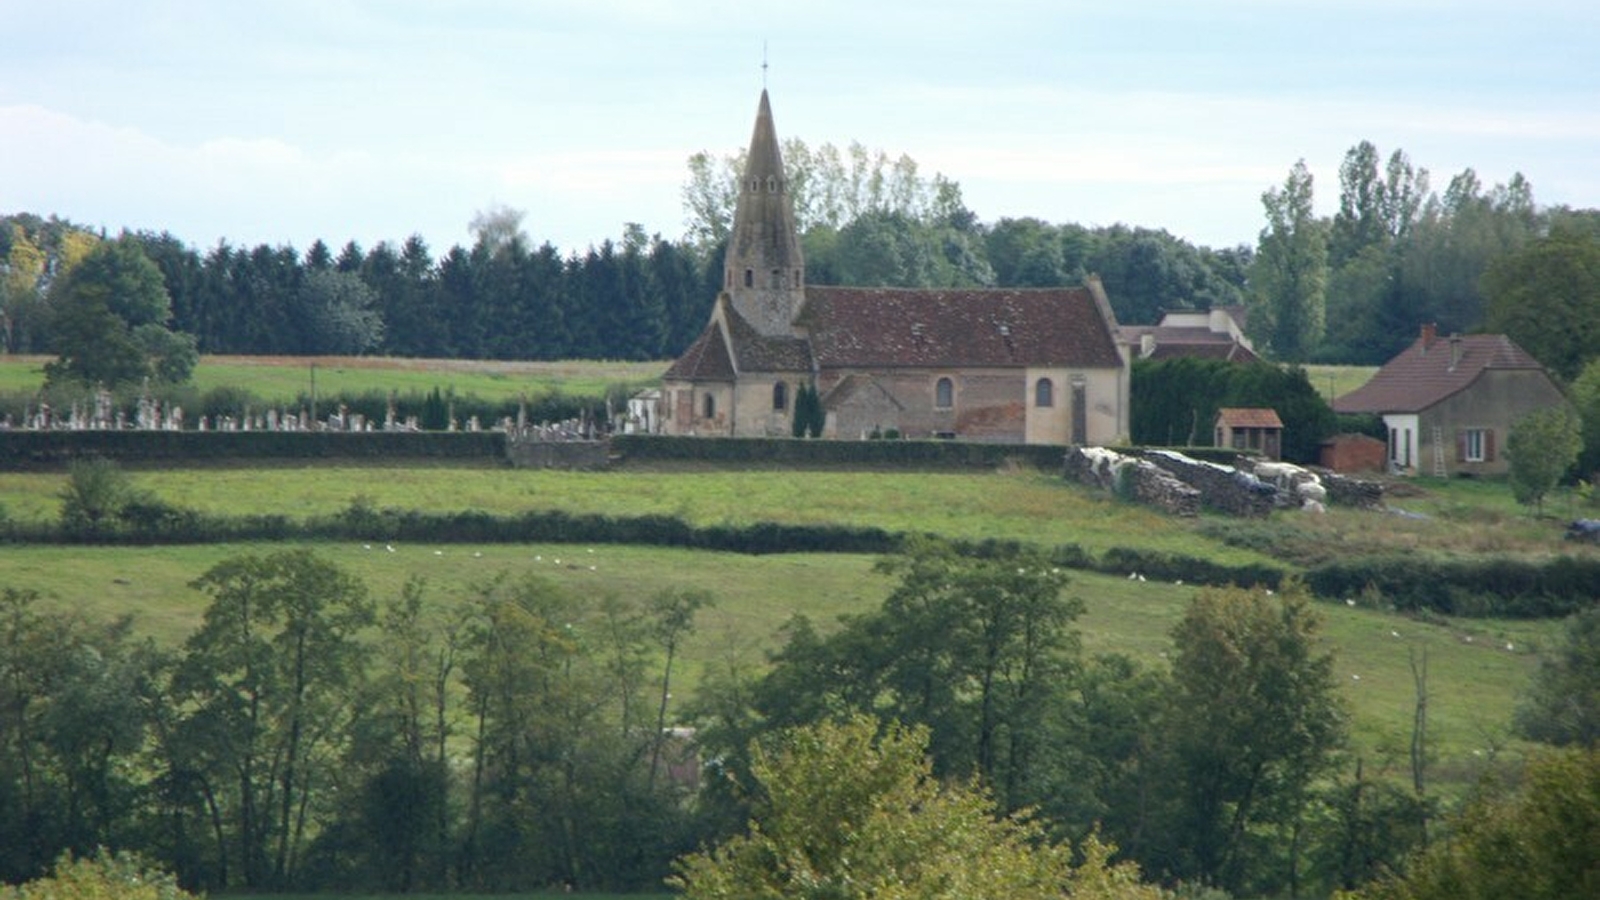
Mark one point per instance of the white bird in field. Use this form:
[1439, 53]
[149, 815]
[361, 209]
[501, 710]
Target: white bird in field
[389, 547]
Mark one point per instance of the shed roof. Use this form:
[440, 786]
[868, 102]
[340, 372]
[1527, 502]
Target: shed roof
[1248, 417]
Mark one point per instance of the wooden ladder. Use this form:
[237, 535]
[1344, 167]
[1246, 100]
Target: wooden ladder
[1438, 452]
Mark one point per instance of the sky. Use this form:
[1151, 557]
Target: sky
[282, 122]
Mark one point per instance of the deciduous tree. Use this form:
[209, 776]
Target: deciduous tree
[109, 321]
[1542, 447]
[1290, 273]
[1546, 297]
[1562, 705]
[266, 689]
[1534, 841]
[844, 810]
[1253, 721]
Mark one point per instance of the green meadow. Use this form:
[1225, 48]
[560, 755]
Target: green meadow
[1475, 667]
[280, 379]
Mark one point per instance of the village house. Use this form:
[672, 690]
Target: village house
[997, 365]
[1216, 333]
[1448, 403]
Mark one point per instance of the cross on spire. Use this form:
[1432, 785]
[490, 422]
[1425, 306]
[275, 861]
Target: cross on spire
[763, 65]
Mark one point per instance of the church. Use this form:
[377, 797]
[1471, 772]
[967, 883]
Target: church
[1037, 366]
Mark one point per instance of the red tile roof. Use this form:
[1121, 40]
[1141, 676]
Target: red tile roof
[1432, 369]
[895, 327]
[706, 359]
[757, 352]
[1249, 417]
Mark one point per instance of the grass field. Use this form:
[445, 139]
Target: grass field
[1473, 676]
[1476, 667]
[1027, 506]
[280, 379]
[1334, 381]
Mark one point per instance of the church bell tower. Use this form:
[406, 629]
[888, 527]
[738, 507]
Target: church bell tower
[764, 274]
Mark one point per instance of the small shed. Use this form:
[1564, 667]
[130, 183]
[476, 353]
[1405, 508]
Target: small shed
[1353, 453]
[1250, 428]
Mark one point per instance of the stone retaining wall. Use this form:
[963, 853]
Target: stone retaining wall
[1138, 479]
[1222, 488]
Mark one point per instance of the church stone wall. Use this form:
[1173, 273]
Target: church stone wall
[753, 412]
[991, 405]
[684, 409]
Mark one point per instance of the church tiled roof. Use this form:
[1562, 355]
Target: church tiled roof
[895, 327]
[766, 353]
[706, 359]
[1430, 370]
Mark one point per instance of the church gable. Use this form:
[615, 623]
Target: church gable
[990, 328]
[707, 359]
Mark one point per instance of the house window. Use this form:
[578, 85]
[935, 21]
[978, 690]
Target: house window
[1044, 393]
[749, 277]
[772, 185]
[944, 394]
[1476, 445]
[780, 396]
[710, 407]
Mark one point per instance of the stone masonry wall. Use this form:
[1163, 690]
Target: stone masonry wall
[1222, 488]
[1139, 479]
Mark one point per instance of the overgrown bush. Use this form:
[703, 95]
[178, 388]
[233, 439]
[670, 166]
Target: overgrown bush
[106, 876]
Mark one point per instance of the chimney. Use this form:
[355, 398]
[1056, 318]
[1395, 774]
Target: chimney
[1430, 333]
[1455, 351]
[1147, 344]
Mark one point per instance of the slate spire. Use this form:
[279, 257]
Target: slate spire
[764, 273]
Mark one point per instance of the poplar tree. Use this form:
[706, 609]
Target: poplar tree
[1290, 273]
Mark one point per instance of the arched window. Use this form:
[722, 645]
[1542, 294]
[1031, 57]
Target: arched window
[799, 278]
[710, 407]
[780, 396]
[944, 394]
[772, 185]
[749, 277]
[775, 280]
[1044, 393]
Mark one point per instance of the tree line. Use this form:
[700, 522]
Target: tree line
[1397, 254]
[309, 736]
[1350, 289]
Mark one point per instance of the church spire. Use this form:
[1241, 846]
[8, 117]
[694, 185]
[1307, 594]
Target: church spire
[764, 272]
